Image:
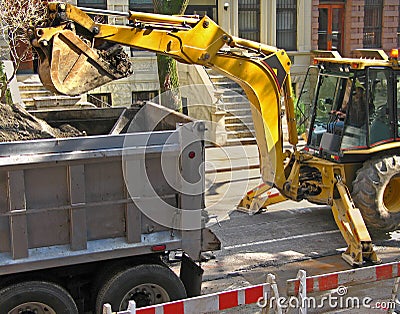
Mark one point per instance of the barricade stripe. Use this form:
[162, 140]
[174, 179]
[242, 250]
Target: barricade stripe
[353, 276]
[159, 310]
[309, 285]
[201, 304]
[146, 311]
[253, 294]
[241, 296]
[328, 282]
[174, 308]
[398, 269]
[383, 272]
[395, 270]
[228, 300]
[266, 289]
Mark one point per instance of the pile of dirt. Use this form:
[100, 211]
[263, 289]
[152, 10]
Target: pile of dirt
[16, 124]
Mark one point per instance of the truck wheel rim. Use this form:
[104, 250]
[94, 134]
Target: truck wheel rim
[391, 197]
[145, 295]
[32, 308]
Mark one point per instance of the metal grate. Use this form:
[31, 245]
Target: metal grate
[97, 4]
[102, 100]
[286, 24]
[249, 19]
[373, 23]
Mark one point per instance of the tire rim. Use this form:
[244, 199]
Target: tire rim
[391, 198]
[32, 308]
[145, 295]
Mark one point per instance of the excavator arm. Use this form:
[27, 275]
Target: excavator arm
[78, 55]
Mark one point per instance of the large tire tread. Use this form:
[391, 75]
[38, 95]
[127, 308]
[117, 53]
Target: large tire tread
[368, 190]
[48, 293]
[113, 289]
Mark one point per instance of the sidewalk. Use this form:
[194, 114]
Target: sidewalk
[223, 158]
[235, 157]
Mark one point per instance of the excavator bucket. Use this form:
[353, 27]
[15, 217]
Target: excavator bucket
[70, 66]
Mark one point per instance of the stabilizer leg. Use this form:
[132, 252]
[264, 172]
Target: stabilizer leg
[354, 231]
[258, 198]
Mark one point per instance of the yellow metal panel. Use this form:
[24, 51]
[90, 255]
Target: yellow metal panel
[264, 96]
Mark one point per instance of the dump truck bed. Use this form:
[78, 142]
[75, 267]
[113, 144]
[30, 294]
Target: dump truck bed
[66, 201]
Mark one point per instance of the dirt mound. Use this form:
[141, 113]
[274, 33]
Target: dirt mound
[16, 124]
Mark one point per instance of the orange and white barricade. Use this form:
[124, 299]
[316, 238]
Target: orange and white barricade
[267, 295]
[204, 303]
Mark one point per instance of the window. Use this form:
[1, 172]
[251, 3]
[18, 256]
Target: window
[373, 23]
[330, 26]
[329, 93]
[201, 10]
[304, 104]
[100, 100]
[249, 19]
[286, 24]
[379, 107]
[143, 96]
[141, 6]
[97, 4]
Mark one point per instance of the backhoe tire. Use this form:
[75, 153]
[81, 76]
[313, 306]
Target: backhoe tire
[376, 192]
[147, 284]
[36, 297]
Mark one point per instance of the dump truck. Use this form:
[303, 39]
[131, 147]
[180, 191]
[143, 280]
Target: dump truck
[351, 160]
[74, 226]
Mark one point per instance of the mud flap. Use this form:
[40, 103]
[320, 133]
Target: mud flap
[191, 275]
[210, 241]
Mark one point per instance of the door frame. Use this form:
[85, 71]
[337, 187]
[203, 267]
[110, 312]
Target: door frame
[330, 8]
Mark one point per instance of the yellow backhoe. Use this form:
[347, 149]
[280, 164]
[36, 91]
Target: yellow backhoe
[351, 160]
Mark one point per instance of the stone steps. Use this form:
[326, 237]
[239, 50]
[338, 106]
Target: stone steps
[35, 96]
[238, 120]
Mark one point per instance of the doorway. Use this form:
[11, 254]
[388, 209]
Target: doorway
[331, 24]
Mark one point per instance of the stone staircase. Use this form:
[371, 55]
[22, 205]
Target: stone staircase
[35, 96]
[238, 120]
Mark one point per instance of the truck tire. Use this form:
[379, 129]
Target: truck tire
[39, 297]
[147, 284]
[376, 193]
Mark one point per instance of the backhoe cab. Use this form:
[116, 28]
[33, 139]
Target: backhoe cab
[351, 161]
[352, 104]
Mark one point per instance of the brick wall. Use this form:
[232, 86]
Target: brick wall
[314, 25]
[389, 24]
[354, 25]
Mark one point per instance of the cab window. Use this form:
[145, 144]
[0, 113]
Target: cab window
[356, 120]
[330, 96]
[380, 129]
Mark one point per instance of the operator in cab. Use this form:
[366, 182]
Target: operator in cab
[357, 112]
